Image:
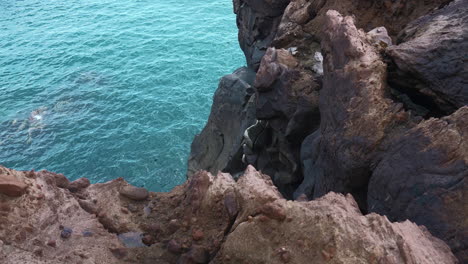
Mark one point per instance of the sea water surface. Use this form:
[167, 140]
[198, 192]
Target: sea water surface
[110, 88]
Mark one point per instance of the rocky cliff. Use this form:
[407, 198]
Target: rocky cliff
[342, 141]
[44, 218]
[368, 98]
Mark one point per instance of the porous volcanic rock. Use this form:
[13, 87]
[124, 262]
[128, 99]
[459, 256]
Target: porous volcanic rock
[393, 79]
[328, 230]
[208, 219]
[30, 230]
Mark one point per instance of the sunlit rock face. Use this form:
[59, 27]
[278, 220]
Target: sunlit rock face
[208, 219]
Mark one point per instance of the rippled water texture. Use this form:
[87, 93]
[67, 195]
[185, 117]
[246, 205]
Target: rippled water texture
[106, 88]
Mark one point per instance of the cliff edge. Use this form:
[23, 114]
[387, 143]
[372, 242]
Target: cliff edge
[344, 140]
[368, 98]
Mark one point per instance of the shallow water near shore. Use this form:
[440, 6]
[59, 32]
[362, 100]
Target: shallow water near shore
[106, 89]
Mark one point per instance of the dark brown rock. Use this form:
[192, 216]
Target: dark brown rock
[119, 253]
[423, 177]
[134, 193]
[287, 96]
[174, 247]
[148, 239]
[429, 66]
[230, 203]
[11, 186]
[257, 21]
[197, 234]
[78, 184]
[354, 76]
[61, 181]
[198, 254]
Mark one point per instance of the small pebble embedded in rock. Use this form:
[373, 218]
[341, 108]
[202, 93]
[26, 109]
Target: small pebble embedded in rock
[52, 243]
[66, 232]
[87, 233]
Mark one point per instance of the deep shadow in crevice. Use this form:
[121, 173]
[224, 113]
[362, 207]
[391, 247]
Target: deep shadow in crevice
[407, 89]
[360, 195]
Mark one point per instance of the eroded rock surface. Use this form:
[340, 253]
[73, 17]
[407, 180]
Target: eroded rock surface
[11, 185]
[430, 61]
[208, 219]
[370, 103]
[219, 146]
[369, 99]
[257, 21]
[47, 225]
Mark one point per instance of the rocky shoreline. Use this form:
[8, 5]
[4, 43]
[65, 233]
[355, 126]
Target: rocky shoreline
[344, 140]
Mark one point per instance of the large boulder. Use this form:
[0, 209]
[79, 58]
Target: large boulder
[219, 145]
[356, 114]
[270, 229]
[431, 64]
[390, 159]
[423, 177]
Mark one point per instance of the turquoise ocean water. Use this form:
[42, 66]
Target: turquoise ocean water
[106, 88]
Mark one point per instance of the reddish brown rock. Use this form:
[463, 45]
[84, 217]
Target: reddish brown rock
[134, 193]
[78, 184]
[31, 228]
[330, 228]
[274, 210]
[197, 234]
[61, 181]
[148, 239]
[11, 186]
[174, 247]
[52, 243]
[198, 254]
[119, 253]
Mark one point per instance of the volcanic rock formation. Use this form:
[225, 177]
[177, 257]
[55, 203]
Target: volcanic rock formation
[343, 141]
[367, 98]
[208, 219]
